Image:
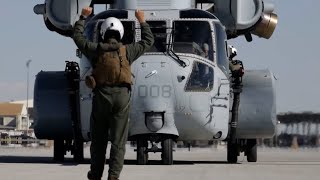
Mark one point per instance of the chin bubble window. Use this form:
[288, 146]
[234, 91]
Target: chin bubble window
[200, 79]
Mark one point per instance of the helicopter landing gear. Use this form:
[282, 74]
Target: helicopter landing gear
[251, 150]
[77, 150]
[58, 150]
[166, 149]
[234, 145]
[248, 146]
[167, 155]
[61, 147]
[142, 154]
[232, 152]
[72, 71]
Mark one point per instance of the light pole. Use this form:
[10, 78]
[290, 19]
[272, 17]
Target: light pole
[28, 65]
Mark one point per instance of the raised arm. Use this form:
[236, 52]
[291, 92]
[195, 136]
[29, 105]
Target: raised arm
[135, 50]
[88, 48]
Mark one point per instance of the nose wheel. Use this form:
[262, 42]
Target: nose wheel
[142, 153]
[167, 155]
[166, 149]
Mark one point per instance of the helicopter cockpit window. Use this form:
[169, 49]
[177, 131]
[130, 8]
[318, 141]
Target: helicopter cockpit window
[129, 32]
[201, 78]
[193, 37]
[159, 30]
[128, 35]
[222, 59]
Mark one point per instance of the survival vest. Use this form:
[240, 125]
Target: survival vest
[112, 68]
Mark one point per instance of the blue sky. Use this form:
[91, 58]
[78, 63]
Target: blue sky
[292, 52]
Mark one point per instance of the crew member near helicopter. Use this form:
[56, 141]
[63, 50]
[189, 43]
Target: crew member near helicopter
[235, 66]
[111, 84]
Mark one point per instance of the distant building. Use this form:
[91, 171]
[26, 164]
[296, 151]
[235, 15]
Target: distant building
[298, 129]
[30, 108]
[14, 116]
[24, 102]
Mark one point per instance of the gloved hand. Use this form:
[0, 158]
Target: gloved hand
[140, 16]
[86, 11]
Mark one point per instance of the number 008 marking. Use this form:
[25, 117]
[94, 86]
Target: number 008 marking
[154, 91]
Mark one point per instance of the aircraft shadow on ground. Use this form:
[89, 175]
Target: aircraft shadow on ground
[70, 162]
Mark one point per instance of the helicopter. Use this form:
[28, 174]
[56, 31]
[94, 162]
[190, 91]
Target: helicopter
[186, 87]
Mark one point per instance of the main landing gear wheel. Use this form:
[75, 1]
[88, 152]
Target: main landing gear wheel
[232, 152]
[167, 155]
[78, 150]
[251, 150]
[58, 150]
[142, 154]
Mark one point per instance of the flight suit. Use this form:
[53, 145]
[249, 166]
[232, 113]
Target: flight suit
[111, 102]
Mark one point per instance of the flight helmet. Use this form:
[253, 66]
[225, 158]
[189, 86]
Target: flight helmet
[112, 24]
[233, 51]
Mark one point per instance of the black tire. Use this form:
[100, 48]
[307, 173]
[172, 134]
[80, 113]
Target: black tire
[251, 150]
[58, 150]
[167, 155]
[78, 151]
[142, 154]
[232, 153]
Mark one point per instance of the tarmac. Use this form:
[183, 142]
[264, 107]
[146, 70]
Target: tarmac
[197, 164]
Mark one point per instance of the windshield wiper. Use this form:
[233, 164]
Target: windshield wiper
[177, 58]
[172, 54]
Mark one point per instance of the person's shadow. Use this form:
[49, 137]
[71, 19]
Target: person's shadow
[70, 162]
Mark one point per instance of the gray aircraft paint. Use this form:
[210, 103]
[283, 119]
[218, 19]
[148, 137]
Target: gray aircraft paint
[191, 115]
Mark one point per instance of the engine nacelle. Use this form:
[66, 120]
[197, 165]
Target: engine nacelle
[52, 109]
[243, 17]
[60, 16]
[266, 26]
[257, 111]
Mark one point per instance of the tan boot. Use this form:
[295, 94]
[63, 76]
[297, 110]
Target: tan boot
[112, 178]
[90, 176]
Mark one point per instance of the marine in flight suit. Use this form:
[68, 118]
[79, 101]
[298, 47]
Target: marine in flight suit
[112, 83]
